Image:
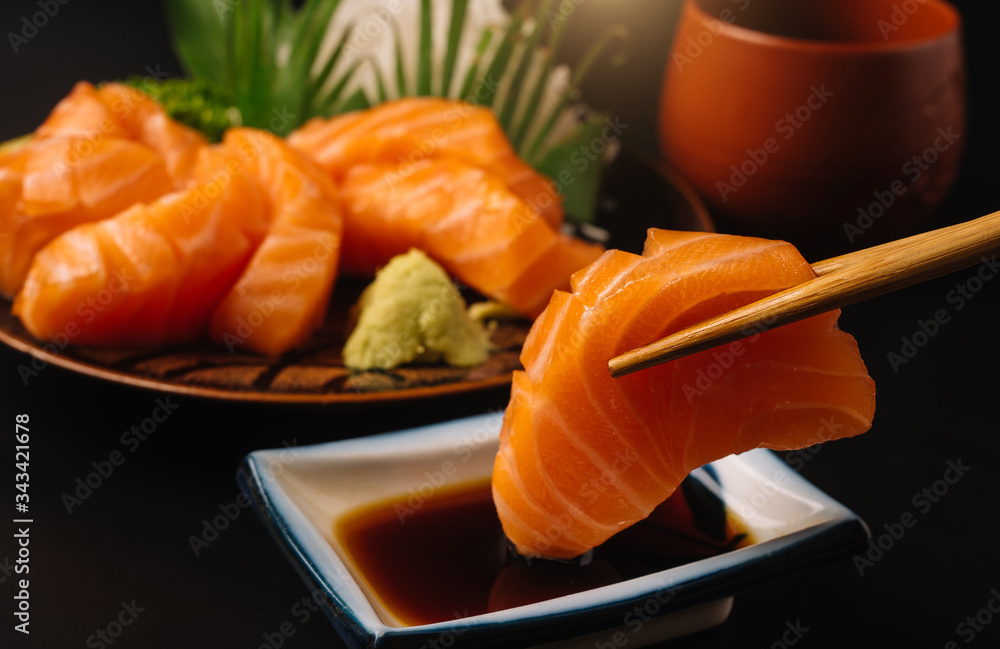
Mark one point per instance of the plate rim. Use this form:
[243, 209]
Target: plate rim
[120, 377]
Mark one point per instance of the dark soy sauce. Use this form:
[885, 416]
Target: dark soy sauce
[449, 558]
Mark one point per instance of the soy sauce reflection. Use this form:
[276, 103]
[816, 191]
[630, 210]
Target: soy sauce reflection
[449, 559]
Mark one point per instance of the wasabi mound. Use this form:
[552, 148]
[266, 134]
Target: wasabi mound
[412, 313]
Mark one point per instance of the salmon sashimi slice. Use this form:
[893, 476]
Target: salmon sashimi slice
[118, 111]
[59, 189]
[98, 152]
[406, 131]
[148, 123]
[82, 114]
[467, 220]
[281, 297]
[248, 255]
[583, 455]
[149, 276]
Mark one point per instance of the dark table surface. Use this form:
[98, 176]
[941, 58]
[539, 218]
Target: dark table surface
[126, 547]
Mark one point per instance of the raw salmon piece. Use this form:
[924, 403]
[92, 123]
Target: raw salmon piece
[59, 189]
[464, 218]
[583, 455]
[118, 111]
[82, 114]
[11, 178]
[147, 123]
[151, 275]
[97, 153]
[281, 297]
[406, 131]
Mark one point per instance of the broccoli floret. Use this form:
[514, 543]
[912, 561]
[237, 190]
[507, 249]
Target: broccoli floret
[194, 102]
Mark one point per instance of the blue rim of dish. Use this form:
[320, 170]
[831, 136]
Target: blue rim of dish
[689, 585]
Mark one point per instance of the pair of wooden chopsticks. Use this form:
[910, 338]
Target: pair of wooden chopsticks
[840, 281]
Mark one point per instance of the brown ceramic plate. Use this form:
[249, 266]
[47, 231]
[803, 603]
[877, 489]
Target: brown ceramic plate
[636, 194]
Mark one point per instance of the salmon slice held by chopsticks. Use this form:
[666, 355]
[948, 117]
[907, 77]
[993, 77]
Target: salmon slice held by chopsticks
[584, 455]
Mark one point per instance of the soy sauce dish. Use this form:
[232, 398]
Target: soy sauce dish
[396, 535]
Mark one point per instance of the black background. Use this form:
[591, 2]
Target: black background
[129, 540]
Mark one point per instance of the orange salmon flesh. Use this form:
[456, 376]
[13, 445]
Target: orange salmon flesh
[583, 455]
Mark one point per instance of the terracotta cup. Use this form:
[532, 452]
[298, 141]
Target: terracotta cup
[835, 124]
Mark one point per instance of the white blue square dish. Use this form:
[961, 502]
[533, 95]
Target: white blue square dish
[301, 493]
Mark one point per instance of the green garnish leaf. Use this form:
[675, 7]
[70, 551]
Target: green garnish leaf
[328, 104]
[383, 93]
[400, 65]
[458, 9]
[470, 76]
[575, 165]
[323, 77]
[357, 101]
[606, 40]
[199, 37]
[486, 91]
[425, 51]
[506, 114]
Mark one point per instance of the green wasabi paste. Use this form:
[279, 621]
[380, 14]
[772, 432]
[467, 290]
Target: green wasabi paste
[412, 313]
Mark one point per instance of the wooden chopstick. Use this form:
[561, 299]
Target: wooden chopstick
[840, 281]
